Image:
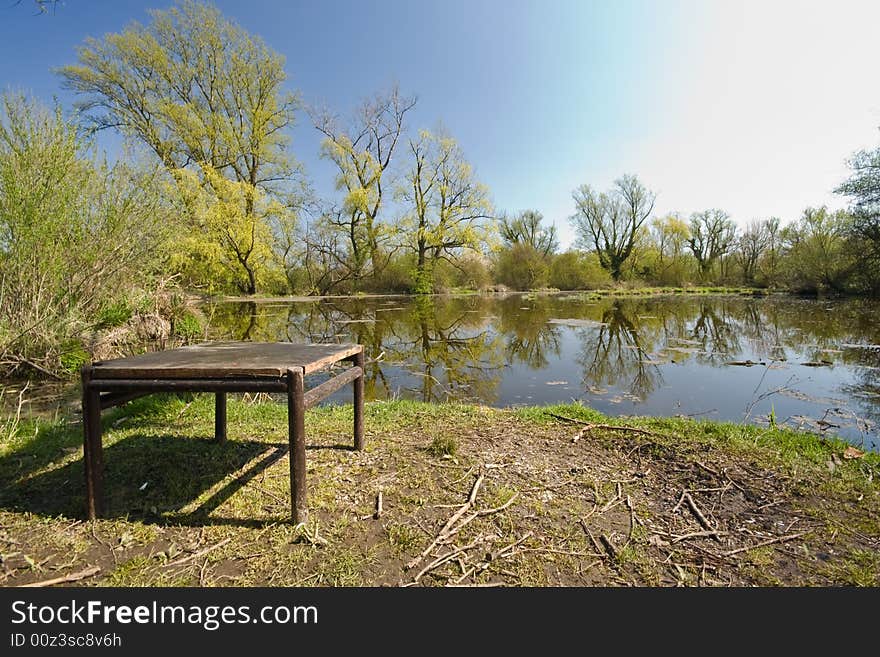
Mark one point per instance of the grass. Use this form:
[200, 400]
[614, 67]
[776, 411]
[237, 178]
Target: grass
[223, 508]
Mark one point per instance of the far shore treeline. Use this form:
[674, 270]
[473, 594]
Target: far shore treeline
[209, 198]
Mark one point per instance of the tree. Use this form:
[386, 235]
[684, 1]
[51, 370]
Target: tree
[526, 228]
[203, 95]
[448, 207]
[670, 234]
[817, 257]
[362, 153]
[610, 222]
[863, 188]
[712, 235]
[750, 246]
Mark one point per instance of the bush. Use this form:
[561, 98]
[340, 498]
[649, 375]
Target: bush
[188, 326]
[521, 267]
[574, 270]
[75, 236]
[114, 314]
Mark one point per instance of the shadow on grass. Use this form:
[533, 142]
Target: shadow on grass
[154, 475]
[146, 477]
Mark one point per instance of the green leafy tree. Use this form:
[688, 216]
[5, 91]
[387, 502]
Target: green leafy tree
[610, 222]
[207, 98]
[817, 258]
[362, 152]
[448, 208]
[863, 188]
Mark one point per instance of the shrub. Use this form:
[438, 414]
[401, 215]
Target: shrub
[76, 235]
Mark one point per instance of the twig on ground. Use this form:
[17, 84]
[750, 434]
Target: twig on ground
[378, 513]
[609, 546]
[589, 426]
[778, 539]
[196, 555]
[446, 530]
[72, 577]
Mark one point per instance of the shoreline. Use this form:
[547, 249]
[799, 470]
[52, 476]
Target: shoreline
[564, 496]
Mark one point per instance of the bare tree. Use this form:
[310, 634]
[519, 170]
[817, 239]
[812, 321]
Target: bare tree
[526, 228]
[712, 236]
[750, 247]
[362, 151]
[610, 222]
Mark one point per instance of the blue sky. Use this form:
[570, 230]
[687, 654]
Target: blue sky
[748, 106]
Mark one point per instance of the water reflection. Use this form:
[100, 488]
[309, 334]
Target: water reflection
[728, 357]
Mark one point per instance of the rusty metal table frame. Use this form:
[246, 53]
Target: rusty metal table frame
[103, 393]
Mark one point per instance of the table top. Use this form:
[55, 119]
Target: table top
[225, 359]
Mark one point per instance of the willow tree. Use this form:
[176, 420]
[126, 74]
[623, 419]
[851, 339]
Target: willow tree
[611, 222]
[362, 150]
[712, 236]
[448, 206]
[527, 228]
[207, 98]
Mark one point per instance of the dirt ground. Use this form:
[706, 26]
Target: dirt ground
[470, 496]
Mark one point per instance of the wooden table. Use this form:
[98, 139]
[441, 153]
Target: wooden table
[221, 367]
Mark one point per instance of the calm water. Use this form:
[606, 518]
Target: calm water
[626, 356]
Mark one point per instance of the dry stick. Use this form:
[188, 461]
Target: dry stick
[498, 554]
[464, 476]
[699, 515]
[613, 502]
[378, 513]
[196, 555]
[439, 561]
[779, 539]
[590, 534]
[609, 546]
[570, 553]
[489, 585]
[676, 538]
[480, 514]
[444, 531]
[589, 426]
[72, 577]
[632, 517]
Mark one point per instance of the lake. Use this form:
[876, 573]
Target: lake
[805, 363]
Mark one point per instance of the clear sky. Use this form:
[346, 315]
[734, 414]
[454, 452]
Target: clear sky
[748, 106]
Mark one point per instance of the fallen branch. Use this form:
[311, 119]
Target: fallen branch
[72, 577]
[439, 561]
[677, 538]
[378, 513]
[196, 555]
[445, 531]
[779, 539]
[609, 546]
[590, 426]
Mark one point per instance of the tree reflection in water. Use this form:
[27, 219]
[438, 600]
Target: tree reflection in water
[463, 348]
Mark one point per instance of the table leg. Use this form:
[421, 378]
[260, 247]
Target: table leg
[93, 452]
[220, 416]
[296, 414]
[358, 385]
